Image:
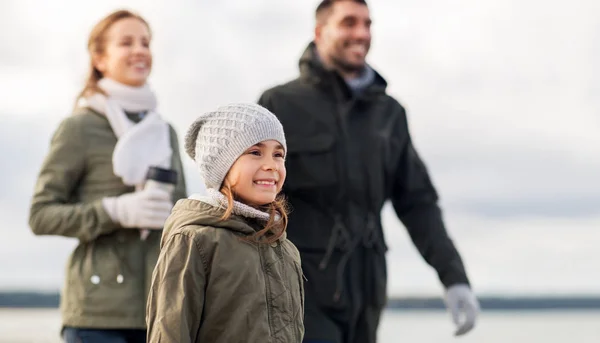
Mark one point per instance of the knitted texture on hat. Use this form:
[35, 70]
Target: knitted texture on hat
[216, 139]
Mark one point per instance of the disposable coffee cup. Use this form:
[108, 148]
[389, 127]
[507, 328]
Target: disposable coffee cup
[161, 178]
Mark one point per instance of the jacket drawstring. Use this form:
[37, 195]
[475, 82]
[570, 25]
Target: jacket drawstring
[95, 279]
[339, 230]
[340, 234]
[341, 268]
[370, 237]
[121, 261]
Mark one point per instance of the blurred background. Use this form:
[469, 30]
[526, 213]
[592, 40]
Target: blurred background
[503, 99]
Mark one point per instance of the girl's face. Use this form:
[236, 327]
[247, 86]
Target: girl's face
[127, 58]
[258, 175]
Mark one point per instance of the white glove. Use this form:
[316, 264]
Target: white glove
[461, 302]
[145, 209]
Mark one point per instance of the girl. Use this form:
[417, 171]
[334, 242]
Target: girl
[91, 187]
[226, 272]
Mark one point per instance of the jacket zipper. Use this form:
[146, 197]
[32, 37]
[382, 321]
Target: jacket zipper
[342, 121]
[343, 114]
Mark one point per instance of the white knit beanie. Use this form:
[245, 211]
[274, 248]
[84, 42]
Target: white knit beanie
[218, 138]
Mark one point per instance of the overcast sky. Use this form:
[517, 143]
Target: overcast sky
[503, 99]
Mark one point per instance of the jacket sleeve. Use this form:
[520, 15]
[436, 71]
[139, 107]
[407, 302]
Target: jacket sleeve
[176, 298]
[181, 188]
[52, 210]
[415, 201]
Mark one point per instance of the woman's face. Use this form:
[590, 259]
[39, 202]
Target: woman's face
[126, 58]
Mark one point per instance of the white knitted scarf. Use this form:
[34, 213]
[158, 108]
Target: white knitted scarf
[216, 199]
[140, 145]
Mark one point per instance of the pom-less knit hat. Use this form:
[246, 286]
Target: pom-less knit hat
[217, 138]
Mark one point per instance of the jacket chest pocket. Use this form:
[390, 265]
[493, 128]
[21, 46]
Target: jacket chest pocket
[311, 162]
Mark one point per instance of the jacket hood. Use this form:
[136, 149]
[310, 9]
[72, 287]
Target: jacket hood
[313, 70]
[201, 212]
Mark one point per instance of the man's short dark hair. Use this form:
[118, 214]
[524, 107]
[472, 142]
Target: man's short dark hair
[324, 9]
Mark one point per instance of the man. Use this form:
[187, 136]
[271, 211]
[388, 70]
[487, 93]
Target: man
[349, 151]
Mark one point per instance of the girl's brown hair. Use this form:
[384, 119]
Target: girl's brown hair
[96, 46]
[274, 228]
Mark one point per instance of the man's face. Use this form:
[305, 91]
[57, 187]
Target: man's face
[344, 38]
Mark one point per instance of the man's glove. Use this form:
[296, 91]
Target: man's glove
[464, 307]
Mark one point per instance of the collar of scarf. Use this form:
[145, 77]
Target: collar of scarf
[121, 98]
[217, 199]
[140, 145]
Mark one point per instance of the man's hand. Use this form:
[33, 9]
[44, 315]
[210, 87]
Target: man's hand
[464, 307]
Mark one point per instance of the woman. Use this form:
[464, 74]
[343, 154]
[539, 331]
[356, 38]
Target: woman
[92, 187]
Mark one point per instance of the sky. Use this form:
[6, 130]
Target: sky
[502, 96]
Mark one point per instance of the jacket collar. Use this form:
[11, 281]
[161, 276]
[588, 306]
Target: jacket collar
[313, 71]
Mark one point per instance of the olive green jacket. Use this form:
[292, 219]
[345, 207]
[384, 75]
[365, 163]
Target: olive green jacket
[209, 285]
[108, 274]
